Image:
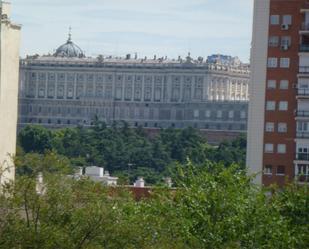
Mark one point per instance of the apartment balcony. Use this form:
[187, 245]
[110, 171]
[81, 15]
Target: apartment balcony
[302, 173]
[300, 134]
[302, 157]
[304, 70]
[302, 114]
[304, 48]
[302, 93]
[304, 29]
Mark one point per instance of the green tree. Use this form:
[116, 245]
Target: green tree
[35, 139]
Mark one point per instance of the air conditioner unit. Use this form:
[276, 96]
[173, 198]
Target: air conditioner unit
[284, 27]
[284, 47]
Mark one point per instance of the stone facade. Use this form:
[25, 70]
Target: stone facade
[9, 67]
[67, 90]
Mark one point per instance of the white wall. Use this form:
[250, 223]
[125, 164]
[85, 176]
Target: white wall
[257, 88]
[9, 69]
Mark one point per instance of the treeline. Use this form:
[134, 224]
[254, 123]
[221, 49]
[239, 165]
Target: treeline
[128, 152]
[213, 207]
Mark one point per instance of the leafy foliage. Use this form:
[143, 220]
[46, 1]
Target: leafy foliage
[130, 152]
[213, 207]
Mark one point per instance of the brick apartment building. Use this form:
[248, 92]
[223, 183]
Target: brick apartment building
[278, 129]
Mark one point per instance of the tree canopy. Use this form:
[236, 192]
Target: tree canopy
[213, 207]
[130, 152]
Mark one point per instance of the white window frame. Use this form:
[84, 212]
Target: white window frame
[287, 19]
[271, 84]
[269, 148]
[281, 148]
[280, 174]
[273, 41]
[284, 62]
[272, 62]
[286, 40]
[284, 84]
[268, 170]
[283, 105]
[269, 127]
[274, 20]
[282, 127]
[270, 105]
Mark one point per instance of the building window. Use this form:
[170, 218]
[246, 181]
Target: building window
[281, 148]
[269, 127]
[274, 19]
[269, 148]
[273, 41]
[283, 106]
[272, 62]
[284, 62]
[286, 41]
[268, 170]
[287, 19]
[284, 84]
[208, 114]
[302, 126]
[282, 127]
[270, 105]
[231, 114]
[280, 170]
[243, 115]
[196, 114]
[219, 114]
[271, 84]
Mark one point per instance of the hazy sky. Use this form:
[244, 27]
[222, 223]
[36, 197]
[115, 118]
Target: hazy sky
[148, 27]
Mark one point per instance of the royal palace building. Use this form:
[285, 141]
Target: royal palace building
[69, 89]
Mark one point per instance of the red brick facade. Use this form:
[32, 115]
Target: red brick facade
[274, 161]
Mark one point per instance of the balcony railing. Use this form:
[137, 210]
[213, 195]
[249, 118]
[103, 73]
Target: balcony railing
[302, 113]
[303, 92]
[302, 156]
[303, 69]
[300, 134]
[304, 48]
[305, 26]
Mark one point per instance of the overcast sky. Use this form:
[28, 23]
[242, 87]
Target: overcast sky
[148, 27]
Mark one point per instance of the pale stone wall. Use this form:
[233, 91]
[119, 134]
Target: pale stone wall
[257, 89]
[9, 70]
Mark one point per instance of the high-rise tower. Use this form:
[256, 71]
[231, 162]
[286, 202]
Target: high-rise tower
[9, 68]
[278, 130]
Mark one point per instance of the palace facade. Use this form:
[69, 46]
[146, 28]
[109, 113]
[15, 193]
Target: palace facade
[69, 89]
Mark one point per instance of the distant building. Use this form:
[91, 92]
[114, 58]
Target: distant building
[97, 174]
[278, 134]
[69, 89]
[9, 69]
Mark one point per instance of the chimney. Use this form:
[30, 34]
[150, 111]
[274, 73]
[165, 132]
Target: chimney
[101, 172]
[168, 182]
[139, 183]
